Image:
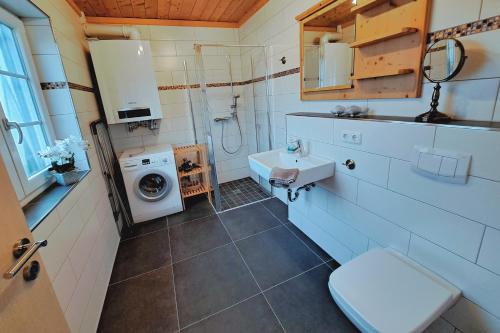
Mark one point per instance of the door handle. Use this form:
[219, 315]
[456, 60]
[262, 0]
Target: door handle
[23, 259]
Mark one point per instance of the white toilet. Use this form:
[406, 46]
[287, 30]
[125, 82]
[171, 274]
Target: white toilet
[384, 291]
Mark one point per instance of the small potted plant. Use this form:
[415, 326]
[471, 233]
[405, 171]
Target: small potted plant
[62, 159]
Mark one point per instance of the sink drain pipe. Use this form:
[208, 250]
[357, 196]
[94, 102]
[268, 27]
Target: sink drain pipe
[295, 196]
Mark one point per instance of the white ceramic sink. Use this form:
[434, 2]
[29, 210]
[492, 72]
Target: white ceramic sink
[311, 168]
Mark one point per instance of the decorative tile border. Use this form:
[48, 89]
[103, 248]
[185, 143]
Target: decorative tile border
[64, 85]
[53, 85]
[467, 29]
[237, 83]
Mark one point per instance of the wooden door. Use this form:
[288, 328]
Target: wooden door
[24, 306]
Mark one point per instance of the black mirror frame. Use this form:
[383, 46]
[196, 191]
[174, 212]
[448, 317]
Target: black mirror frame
[460, 64]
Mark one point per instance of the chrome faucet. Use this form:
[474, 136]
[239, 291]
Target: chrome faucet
[295, 146]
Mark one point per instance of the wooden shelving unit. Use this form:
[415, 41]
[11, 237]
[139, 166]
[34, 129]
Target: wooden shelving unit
[367, 6]
[343, 87]
[201, 183]
[402, 71]
[381, 38]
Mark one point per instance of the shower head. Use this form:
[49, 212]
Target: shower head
[236, 96]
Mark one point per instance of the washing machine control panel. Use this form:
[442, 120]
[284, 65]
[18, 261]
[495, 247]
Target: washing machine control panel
[155, 161]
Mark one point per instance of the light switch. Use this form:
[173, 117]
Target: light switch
[448, 167]
[430, 162]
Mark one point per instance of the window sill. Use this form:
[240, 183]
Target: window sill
[41, 206]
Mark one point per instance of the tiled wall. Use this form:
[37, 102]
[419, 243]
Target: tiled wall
[81, 232]
[472, 95]
[171, 46]
[57, 96]
[453, 229]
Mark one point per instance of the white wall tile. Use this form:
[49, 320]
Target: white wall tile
[61, 241]
[369, 167]
[476, 200]
[64, 284]
[477, 284]
[318, 129]
[333, 247]
[446, 13]
[490, 249]
[473, 99]
[490, 8]
[342, 232]
[482, 55]
[83, 246]
[49, 68]
[382, 231]
[343, 185]
[59, 101]
[468, 317]
[453, 232]
[440, 326]
[388, 139]
[483, 145]
[41, 40]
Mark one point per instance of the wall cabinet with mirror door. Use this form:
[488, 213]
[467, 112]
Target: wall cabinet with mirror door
[360, 49]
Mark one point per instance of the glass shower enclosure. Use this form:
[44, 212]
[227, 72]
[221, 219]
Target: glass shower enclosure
[229, 98]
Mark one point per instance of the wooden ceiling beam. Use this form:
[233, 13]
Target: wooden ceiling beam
[160, 22]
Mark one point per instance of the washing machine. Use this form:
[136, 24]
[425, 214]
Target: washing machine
[150, 177]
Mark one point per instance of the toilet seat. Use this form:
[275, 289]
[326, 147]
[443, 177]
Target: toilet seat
[383, 291]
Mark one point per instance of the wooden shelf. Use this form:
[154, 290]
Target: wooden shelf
[189, 149]
[201, 182]
[380, 38]
[402, 71]
[196, 171]
[194, 190]
[368, 5]
[343, 87]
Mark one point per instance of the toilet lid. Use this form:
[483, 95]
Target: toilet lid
[391, 293]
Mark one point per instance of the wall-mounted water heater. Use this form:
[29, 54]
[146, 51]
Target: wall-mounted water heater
[124, 71]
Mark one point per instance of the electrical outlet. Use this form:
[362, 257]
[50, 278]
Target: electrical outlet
[351, 137]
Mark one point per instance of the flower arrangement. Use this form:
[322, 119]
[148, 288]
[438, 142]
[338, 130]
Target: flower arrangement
[61, 155]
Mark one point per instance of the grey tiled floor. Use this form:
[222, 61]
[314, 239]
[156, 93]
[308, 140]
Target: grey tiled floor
[245, 270]
[241, 192]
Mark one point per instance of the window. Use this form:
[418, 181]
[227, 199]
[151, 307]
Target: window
[24, 120]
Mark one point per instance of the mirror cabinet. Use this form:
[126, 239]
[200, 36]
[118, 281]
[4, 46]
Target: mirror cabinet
[360, 49]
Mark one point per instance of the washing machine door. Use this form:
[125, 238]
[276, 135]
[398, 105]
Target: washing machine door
[153, 185]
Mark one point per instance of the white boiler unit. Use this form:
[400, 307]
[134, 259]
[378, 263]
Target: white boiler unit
[124, 71]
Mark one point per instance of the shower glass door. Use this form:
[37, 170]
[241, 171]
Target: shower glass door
[231, 111]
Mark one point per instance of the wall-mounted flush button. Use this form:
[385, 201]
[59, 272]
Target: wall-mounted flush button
[448, 167]
[430, 162]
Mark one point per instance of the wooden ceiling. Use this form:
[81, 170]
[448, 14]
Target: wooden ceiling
[213, 13]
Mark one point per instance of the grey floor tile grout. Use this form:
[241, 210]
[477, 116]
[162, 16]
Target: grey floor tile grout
[285, 225]
[201, 253]
[142, 235]
[258, 233]
[244, 205]
[173, 281]
[220, 311]
[193, 220]
[253, 277]
[139, 275]
[294, 277]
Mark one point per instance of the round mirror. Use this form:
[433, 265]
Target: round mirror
[443, 60]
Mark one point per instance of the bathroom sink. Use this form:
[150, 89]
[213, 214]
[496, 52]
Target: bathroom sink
[311, 168]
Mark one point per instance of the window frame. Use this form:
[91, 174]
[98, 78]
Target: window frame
[26, 187]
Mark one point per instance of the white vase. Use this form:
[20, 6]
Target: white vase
[67, 178]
